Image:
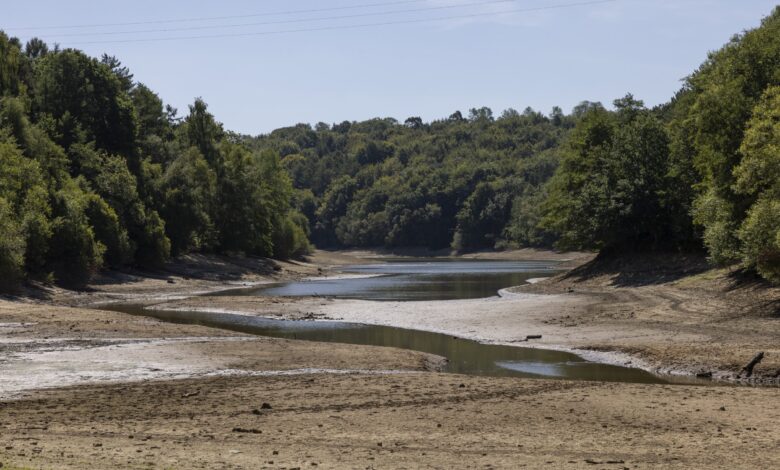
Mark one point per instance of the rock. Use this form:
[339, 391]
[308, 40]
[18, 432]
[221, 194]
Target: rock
[265, 406]
[705, 374]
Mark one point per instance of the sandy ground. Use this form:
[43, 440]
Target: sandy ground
[83, 388]
[394, 421]
[46, 347]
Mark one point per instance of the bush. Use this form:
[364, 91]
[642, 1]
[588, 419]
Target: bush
[290, 239]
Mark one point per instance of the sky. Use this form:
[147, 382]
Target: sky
[261, 65]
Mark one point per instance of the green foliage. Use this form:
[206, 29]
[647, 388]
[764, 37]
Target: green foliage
[382, 183]
[722, 124]
[189, 195]
[254, 194]
[22, 187]
[290, 239]
[75, 253]
[110, 232]
[12, 247]
[482, 218]
[95, 171]
[12, 65]
[85, 100]
[612, 188]
[758, 175]
[203, 132]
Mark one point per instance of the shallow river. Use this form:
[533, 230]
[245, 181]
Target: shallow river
[418, 279]
[415, 279]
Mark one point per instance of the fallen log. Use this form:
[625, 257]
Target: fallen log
[748, 369]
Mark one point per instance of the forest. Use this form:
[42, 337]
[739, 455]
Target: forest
[97, 172]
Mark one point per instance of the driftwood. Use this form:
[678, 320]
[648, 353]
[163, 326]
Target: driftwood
[748, 369]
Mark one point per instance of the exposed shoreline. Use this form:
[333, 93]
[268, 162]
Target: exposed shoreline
[508, 318]
[141, 392]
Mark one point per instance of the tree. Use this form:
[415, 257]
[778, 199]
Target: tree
[204, 133]
[611, 190]
[12, 247]
[75, 254]
[758, 176]
[11, 66]
[85, 100]
[189, 188]
[716, 106]
[35, 48]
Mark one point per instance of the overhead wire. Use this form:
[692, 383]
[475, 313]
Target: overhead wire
[215, 18]
[349, 26]
[293, 21]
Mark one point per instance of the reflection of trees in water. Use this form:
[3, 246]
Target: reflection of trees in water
[406, 286]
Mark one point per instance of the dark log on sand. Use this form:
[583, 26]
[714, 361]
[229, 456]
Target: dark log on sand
[748, 369]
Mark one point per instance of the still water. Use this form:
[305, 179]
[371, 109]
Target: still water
[417, 279]
[464, 356]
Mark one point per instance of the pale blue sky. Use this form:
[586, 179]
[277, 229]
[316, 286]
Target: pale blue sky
[256, 83]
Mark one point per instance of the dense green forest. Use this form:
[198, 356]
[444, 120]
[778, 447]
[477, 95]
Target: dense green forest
[701, 169]
[468, 182]
[95, 171]
[699, 172]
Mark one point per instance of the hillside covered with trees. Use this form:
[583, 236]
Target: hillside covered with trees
[700, 172]
[469, 182]
[95, 171]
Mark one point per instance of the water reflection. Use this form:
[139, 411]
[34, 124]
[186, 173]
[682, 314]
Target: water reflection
[416, 279]
[464, 356]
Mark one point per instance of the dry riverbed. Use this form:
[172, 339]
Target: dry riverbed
[89, 388]
[705, 323]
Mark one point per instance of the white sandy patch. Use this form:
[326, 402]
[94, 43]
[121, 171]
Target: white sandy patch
[60, 363]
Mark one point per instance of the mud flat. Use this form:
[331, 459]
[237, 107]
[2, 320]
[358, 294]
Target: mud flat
[391, 421]
[665, 329]
[91, 388]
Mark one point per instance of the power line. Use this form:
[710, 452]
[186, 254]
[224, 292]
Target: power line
[214, 18]
[354, 26]
[293, 21]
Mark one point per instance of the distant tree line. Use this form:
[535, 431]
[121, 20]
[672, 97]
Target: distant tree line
[96, 172]
[702, 171]
[469, 182]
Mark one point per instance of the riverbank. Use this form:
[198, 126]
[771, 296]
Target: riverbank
[680, 319]
[90, 388]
